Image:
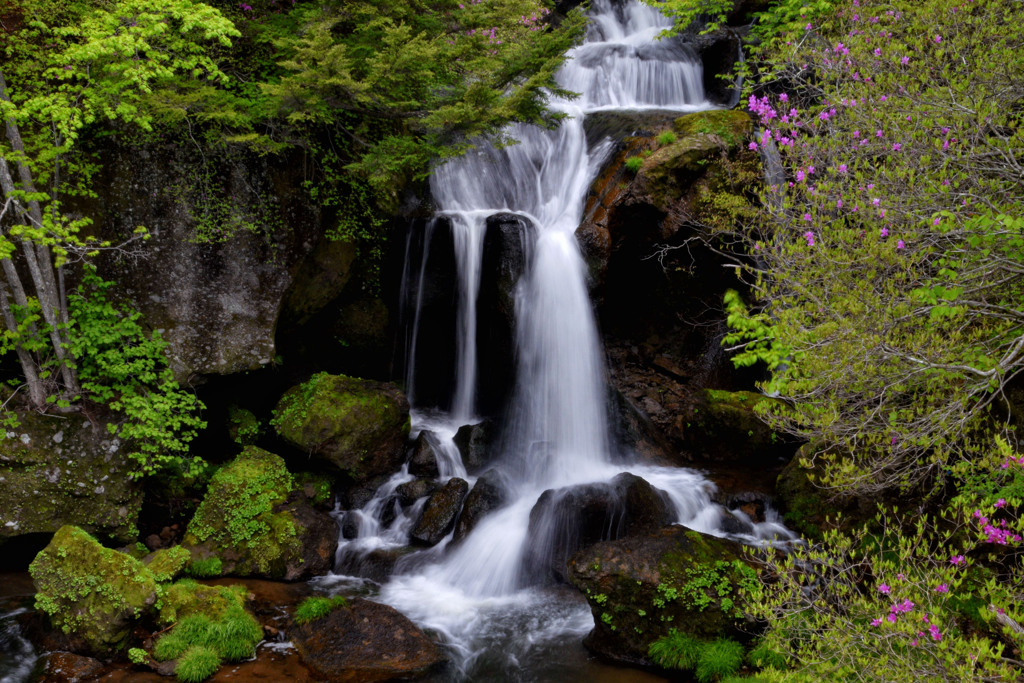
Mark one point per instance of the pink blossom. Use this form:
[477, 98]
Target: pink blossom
[807, 217]
[904, 60]
[942, 588]
[884, 232]
[900, 244]
[883, 588]
[809, 236]
[957, 560]
[938, 39]
[876, 622]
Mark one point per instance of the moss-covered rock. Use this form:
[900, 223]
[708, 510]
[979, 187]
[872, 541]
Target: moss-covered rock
[243, 426]
[249, 524]
[642, 586]
[60, 471]
[357, 426]
[167, 564]
[724, 425]
[90, 591]
[209, 623]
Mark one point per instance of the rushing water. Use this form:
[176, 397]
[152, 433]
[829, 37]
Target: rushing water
[479, 596]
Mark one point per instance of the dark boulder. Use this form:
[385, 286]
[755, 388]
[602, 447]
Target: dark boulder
[365, 641]
[489, 493]
[411, 491]
[564, 521]
[440, 512]
[476, 444]
[641, 586]
[423, 462]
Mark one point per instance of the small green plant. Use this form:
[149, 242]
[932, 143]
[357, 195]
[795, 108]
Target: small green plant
[205, 567]
[718, 659]
[666, 138]
[315, 608]
[675, 651]
[197, 664]
[634, 164]
[137, 655]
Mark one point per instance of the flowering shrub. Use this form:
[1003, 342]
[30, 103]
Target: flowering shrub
[888, 257]
[901, 600]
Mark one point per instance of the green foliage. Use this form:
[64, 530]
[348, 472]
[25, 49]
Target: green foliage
[197, 664]
[244, 427]
[317, 607]
[908, 598]
[709, 661]
[634, 164]
[137, 655]
[885, 267]
[717, 585]
[126, 370]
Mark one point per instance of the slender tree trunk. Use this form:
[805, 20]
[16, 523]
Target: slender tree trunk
[36, 392]
[38, 258]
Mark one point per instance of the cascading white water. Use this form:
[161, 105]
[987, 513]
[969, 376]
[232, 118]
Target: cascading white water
[557, 432]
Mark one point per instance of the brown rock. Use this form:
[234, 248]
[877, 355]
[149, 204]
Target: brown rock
[363, 642]
[440, 512]
[64, 667]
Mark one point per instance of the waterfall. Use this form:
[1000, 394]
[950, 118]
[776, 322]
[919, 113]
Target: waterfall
[478, 595]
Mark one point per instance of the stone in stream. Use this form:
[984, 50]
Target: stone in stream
[365, 641]
[440, 512]
[423, 462]
[566, 520]
[474, 443]
[489, 493]
[675, 578]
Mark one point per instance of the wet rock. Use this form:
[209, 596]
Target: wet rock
[423, 462]
[250, 524]
[723, 425]
[356, 426]
[508, 239]
[475, 443]
[429, 313]
[365, 641]
[65, 667]
[102, 619]
[55, 472]
[489, 493]
[750, 503]
[641, 586]
[564, 521]
[350, 525]
[377, 565]
[411, 491]
[440, 512]
[734, 524]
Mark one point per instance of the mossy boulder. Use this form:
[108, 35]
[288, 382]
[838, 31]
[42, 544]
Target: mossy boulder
[93, 593]
[60, 471]
[357, 427]
[640, 587]
[724, 425]
[250, 524]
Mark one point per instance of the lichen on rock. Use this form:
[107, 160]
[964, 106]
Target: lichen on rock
[90, 591]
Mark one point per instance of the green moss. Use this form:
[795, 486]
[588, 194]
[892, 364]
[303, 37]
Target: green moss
[187, 597]
[237, 517]
[197, 664]
[634, 164]
[137, 655]
[315, 608]
[208, 618]
[732, 126]
[91, 591]
[358, 425]
[205, 567]
[316, 487]
[166, 565]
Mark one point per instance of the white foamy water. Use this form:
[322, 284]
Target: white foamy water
[478, 596]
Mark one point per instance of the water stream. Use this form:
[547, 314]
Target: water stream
[481, 596]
